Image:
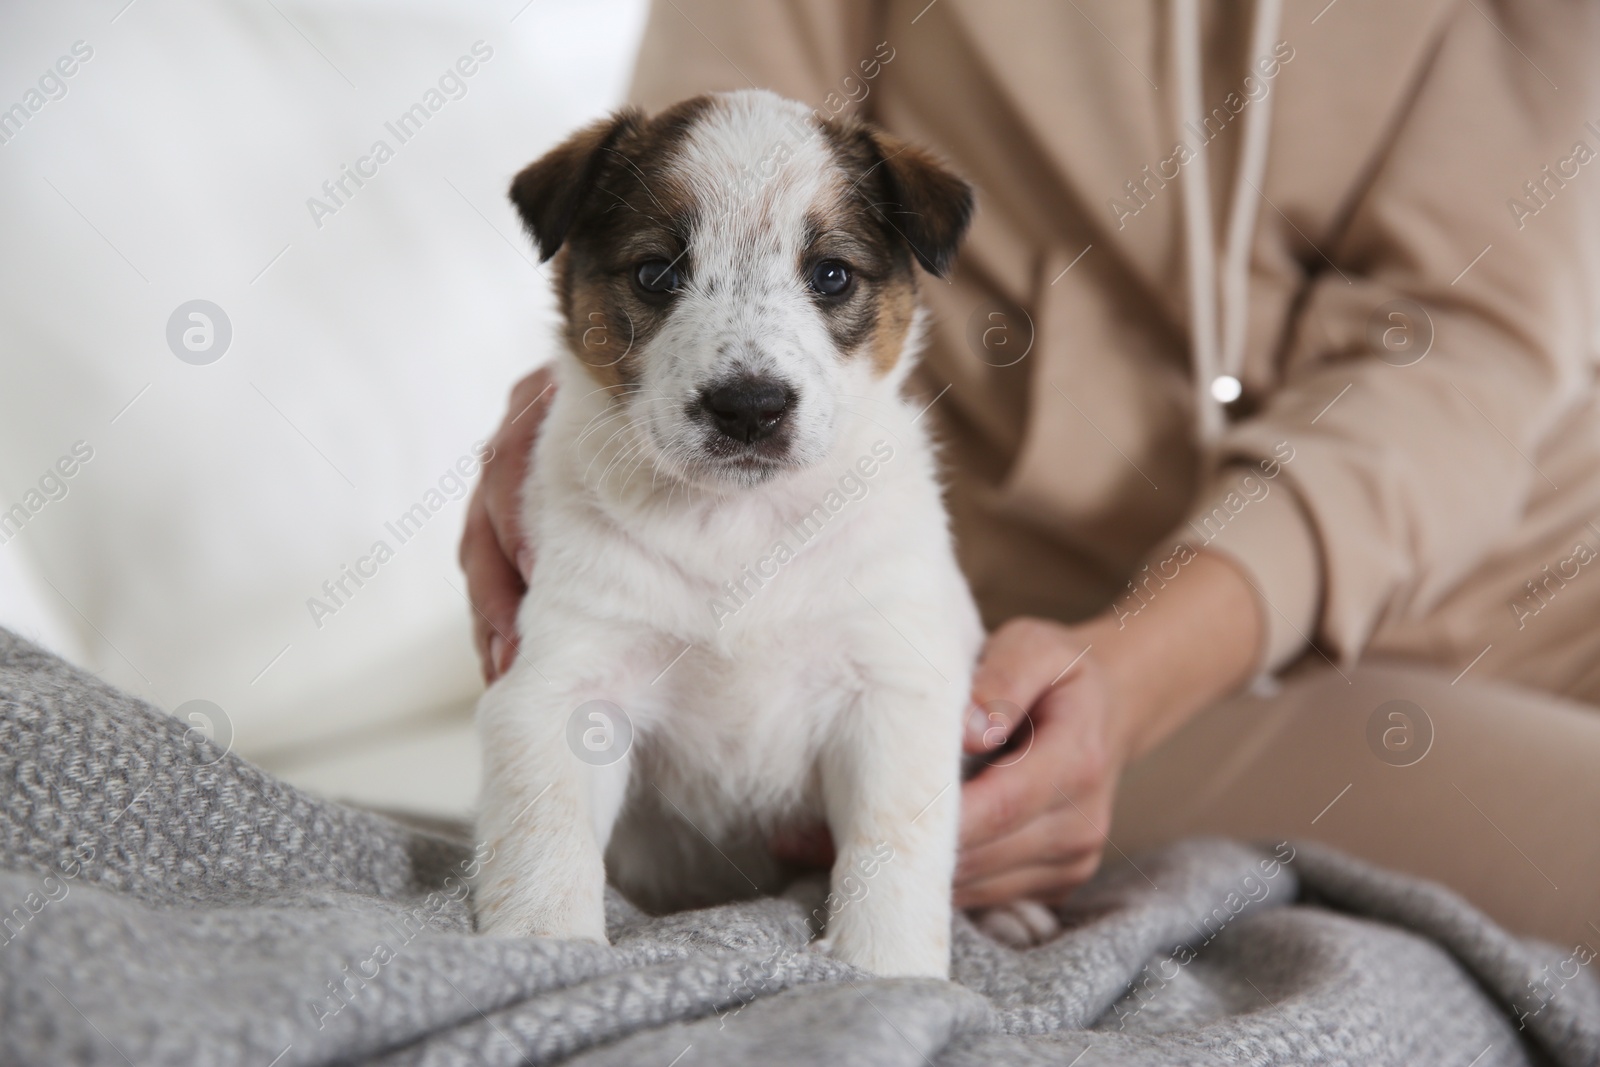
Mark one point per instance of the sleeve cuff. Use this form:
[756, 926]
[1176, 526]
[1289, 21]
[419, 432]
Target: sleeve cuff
[1255, 521]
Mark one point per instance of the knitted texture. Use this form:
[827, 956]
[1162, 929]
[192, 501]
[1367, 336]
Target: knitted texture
[164, 902]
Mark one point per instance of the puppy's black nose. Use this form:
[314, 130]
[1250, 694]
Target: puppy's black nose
[747, 409]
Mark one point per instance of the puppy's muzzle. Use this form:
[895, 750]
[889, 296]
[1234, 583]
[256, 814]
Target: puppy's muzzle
[748, 410]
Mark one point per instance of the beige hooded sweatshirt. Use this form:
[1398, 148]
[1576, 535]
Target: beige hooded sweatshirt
[1370, 225]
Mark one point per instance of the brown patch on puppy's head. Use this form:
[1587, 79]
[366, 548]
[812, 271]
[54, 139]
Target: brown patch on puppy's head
[605, 198]
[915, 195]
[905, 205]
[548, 191]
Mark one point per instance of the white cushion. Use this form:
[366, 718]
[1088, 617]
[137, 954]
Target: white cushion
[369, 352]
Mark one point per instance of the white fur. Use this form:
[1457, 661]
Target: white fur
[834, 692]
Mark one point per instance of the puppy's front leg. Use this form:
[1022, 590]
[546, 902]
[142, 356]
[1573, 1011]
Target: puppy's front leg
[545, 812]
[891, 782]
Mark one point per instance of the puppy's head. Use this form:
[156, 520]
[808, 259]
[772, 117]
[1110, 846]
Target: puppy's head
[736, 273]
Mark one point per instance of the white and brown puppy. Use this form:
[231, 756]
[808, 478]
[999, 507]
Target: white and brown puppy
[746, 615]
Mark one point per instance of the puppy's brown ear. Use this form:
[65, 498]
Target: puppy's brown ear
[550, 190]
[926, 203]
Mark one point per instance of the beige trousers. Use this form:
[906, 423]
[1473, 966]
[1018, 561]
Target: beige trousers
[1490, 789]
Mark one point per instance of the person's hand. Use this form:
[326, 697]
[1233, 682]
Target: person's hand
[1034, 822]
[495, 555]
[1076, 704]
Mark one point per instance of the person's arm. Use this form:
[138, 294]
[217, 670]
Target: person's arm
[1394, 472]
[1098, 695]
[1445, 336]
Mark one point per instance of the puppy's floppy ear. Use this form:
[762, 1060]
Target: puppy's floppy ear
[929, 205]
[549, 191]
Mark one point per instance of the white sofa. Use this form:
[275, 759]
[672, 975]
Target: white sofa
[373, 339]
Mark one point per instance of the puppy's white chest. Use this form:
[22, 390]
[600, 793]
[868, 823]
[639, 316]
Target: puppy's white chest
[737, 739]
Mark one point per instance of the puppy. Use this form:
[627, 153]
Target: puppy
[746, 615]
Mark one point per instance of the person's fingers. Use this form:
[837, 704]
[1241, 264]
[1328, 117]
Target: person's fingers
[507, 470]
[1020, 661]
[1045, 882]
[494, 553]
[1005, 797]
[990, 723]
[495, 590]
[1058, 836]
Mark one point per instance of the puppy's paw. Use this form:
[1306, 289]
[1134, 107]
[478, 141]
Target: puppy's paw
[577, 915]
[1019, 924]
[932, 961]
[890, 949]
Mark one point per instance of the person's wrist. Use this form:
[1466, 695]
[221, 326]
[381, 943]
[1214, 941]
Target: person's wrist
[1129, 699]
[1194, 644]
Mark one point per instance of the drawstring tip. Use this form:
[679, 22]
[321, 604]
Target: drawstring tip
[1225, 388]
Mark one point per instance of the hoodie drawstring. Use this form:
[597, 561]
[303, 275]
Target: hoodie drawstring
[1218, 363]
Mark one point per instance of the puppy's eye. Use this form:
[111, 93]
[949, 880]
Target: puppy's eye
[657, 276]
[830, 277]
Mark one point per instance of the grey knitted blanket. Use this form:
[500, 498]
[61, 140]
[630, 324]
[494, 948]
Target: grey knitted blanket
[167, 903]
